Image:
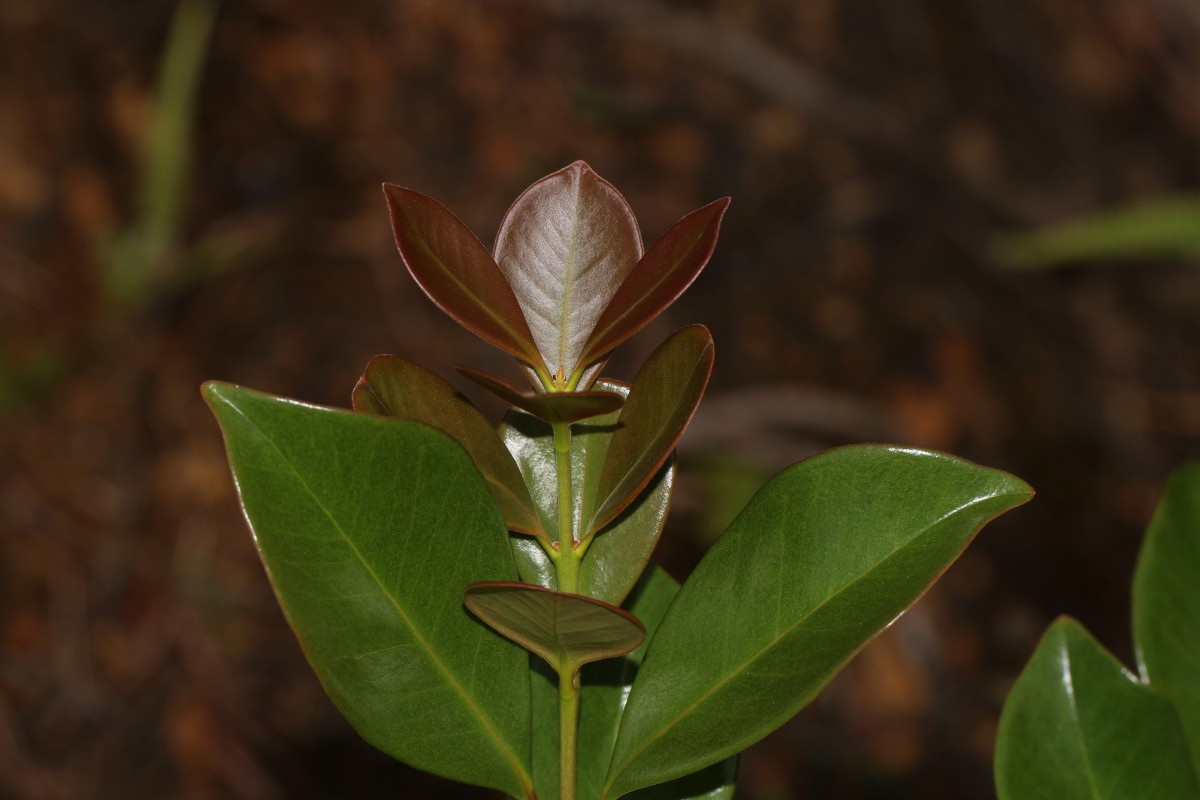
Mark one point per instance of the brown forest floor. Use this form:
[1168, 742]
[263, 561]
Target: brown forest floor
[852, 298]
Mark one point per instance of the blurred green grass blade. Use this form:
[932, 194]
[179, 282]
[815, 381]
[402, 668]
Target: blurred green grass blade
[167, 159]
[165, 166]
[1168, 228]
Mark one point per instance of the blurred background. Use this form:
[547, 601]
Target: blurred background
[972, 226]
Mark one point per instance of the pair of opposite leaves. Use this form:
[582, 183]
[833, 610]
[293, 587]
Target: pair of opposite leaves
[569, 282]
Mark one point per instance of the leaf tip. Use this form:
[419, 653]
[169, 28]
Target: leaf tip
[215, 392]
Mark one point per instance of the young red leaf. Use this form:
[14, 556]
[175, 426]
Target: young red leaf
[567, 630]
[456, 271]
[566, 245]
[394, 387]
[665, 272]
[664, 396]
[558, 407]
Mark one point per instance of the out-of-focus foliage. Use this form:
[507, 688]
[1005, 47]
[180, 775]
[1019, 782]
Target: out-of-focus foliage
[1166, 229]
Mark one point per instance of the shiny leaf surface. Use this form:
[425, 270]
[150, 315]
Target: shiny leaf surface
[566, 245]
[369, 528]
[665, 271]
[1166, 601]
[393, 387]
[661, 402]
[457, 273]
[619, 551]
[1077, 726]
[560, 407]
[567, 630]
[825, 556]
[605, 689]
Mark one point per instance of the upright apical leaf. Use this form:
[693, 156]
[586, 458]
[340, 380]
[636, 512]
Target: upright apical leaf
[457, 273]
[826, 555]
[1166, 601]
[369, 528]
[1077, 726]
[664, 396]
[393, 387]
[566, 245]
[665, 271]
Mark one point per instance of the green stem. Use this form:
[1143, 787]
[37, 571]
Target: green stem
[568, 725]
[567, 558]
[567, 569]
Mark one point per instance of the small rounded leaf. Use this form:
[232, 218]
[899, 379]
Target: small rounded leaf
[567, 630]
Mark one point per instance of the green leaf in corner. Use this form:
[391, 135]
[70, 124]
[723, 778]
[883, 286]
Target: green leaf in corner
[619, 552]
[369, 528]
[1077, 726]
[825, 556]
[1166, 601]
[566, 245]
[394, 387]
[566, 630]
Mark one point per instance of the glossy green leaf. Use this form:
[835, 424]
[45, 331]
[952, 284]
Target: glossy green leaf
[369, 528]
[566, 245]
[1077, 726]
[619, 552]
[393, 387]
[605, 687]
[825, 556]
[557, 407]
[457, 273]
[566, 630]
[1166, 601]
[664, 396]
[665, 271]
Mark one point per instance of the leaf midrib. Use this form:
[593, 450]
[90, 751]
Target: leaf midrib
[604, 510]
[1074, 707]
[485, 723]
[536, 528]
[691, 708]
[591, 352]
[465, 291]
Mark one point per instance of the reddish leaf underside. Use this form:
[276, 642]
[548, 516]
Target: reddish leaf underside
[394, 387]
[661, 402]
[567, 630]
[456, 271]
[663, 274]
[558, 407]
